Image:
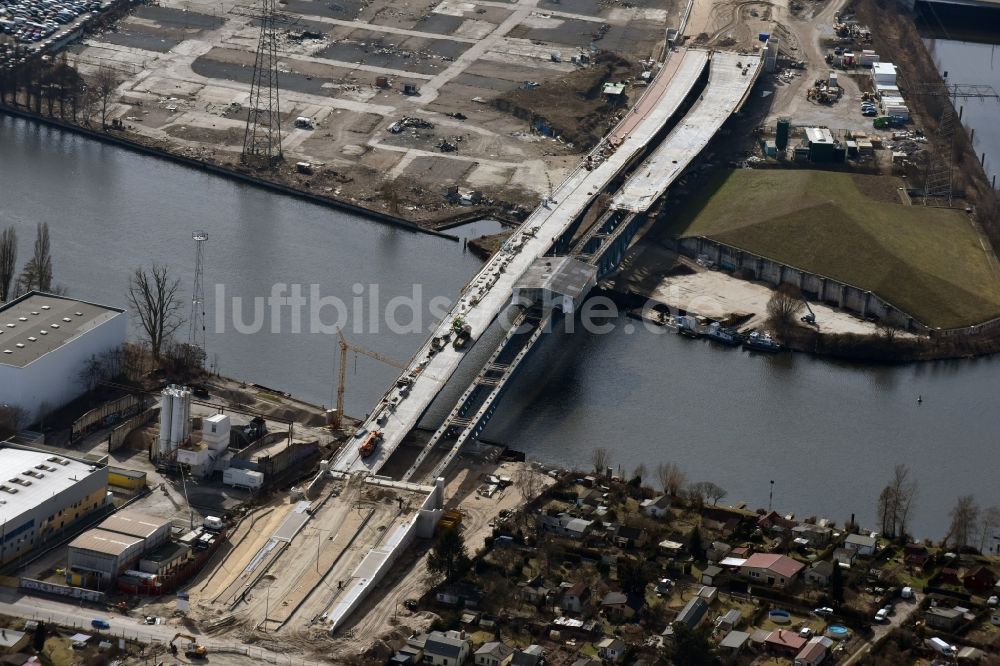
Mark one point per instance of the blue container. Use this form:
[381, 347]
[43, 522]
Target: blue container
[763, 36]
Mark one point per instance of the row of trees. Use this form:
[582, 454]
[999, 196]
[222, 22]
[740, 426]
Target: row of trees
[37, 271]
[60, 89]
[673, 480]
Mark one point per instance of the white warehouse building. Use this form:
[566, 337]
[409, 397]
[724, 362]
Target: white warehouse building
[45, 340]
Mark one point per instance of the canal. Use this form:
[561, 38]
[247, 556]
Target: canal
[827, 434]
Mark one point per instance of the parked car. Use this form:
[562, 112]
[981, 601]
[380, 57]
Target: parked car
[824, 611]
[882, 616]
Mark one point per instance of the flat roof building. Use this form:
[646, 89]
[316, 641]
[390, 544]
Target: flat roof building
[42, 494]
[97, 556]
[152, 530]
[45, 341]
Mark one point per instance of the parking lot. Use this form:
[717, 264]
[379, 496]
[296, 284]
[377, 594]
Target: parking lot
[33, 21]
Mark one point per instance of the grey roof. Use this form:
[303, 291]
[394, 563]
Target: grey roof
[31, 477]
[734, 640]
[712, 570]
[51, 320]
[529, 656]
[822, 567]
[445, 646]
[134, 523]
[693, 612]
[614, 598]
[102, 541]
[861, 540]
[496, 649]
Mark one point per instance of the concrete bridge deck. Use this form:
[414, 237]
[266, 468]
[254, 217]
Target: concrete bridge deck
[399, 410]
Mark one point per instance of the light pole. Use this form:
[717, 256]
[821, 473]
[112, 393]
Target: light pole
[770, 497]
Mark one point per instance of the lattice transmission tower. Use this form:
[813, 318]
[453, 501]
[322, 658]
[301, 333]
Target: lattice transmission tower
[196, 330]
[262, 139]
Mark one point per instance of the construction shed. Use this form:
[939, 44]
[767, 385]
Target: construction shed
[820, 142]
[126, 479]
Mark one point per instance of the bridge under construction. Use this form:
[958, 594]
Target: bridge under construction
[543, 271]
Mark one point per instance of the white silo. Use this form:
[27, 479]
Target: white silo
[166, 421]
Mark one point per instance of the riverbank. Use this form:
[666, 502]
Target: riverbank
[431, 225]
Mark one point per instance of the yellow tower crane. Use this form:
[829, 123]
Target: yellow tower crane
[346, 346]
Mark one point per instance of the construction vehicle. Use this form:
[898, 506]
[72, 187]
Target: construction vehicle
[367, 447]
[451, 518]
[811, 317]
[342, 372]
[193, 650]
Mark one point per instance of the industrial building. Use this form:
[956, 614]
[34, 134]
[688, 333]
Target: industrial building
[42, 494]
[45, 340]
[98, 556]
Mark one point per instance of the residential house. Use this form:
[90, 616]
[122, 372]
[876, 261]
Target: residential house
[979, 579]
[449, 648]
[948, 576]
[729, 621]
[708, 593]
[612, 649]
[459, 594]
[820, 572]
[534, 591]
[630, 537]
[722, 520]
[734, 642]
[494, 653]
[861, 544]
[712, 575]
[771, 569]
[814, 652]
[946, 619]
[576, 598]
[671, 548]
[717, 551]
[533, 655]
[656, 507]
[565, 525]
[740, 552]
[844, 557]
[916, 555]
[775, 523]
[814, 536]
[785, 642]
[620, 607]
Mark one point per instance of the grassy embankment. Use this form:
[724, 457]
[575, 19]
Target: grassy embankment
[929, 262]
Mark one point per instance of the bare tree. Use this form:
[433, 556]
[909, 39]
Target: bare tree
[12, 419]
[988, 526]
[601, 459]
[37, 273]
[964, 519]
[705, 490]
[888, 331]
[671, 478]
[529, 481]
[154, 299]
[783, 308]
[105, 84]
[639, 472]
[8, 262]
[895, 502]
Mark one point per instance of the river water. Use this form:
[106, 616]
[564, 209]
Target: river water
[827, 434]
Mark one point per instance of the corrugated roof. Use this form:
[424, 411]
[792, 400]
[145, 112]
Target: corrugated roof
[103, 541]
[134, 523]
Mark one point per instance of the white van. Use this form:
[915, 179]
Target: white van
[942, 646]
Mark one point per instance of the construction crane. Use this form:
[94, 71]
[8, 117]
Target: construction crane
[346, 346]
[193, 650]
[811, 317]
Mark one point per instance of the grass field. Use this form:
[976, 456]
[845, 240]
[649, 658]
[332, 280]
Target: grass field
[929, 262]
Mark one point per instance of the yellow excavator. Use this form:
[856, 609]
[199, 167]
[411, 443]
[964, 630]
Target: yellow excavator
[193, 650]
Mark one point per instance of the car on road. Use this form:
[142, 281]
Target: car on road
[98, 623]
[824, 611]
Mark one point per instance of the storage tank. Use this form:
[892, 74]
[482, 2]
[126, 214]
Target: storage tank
[177, 425]
[166, 419]
[781, 140]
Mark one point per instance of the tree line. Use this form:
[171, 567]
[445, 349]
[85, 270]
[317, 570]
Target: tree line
[36, 275]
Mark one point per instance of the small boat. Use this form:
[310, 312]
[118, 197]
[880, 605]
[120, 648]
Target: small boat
[723, 335]
[761, 342]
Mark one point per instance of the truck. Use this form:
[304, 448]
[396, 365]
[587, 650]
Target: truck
[367, 446]
[942, 646]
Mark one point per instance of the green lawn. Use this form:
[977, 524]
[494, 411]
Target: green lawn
[929, 262]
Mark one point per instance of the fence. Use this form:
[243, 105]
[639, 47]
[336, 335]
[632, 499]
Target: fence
[109, 412]
[62, 590]
[117, 437]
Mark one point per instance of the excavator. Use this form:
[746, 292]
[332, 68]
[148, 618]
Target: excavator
[811, 317]
[193, 650]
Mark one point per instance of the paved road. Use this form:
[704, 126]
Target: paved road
[904, 609]
[78, 616]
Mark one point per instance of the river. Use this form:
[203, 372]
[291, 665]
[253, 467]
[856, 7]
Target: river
[827, 434]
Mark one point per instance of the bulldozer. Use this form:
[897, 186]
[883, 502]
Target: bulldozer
[193, 650]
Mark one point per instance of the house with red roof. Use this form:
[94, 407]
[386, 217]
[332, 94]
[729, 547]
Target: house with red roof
[771, 569]
[785, 642]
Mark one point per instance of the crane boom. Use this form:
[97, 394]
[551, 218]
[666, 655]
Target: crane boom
[346, 346]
